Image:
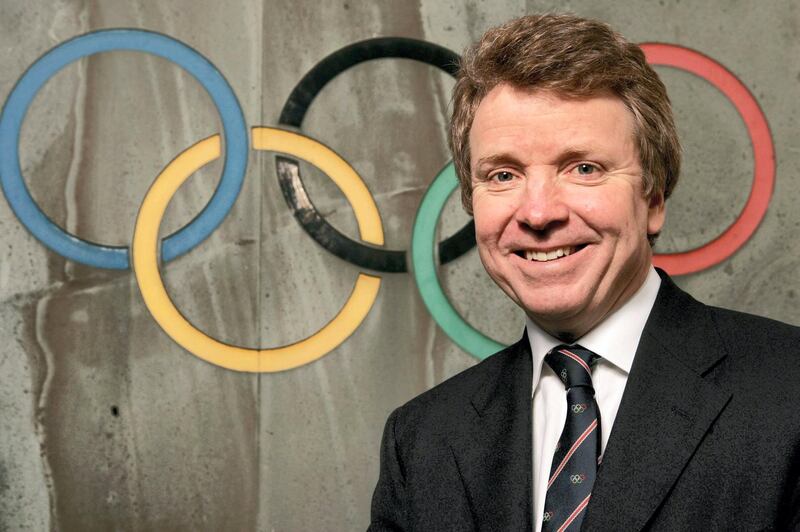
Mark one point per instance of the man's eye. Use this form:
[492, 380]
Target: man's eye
[503, 177]
[586, 169]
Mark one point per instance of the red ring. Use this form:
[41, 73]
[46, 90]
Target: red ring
[754, 210]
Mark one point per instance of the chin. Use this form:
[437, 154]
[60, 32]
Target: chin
[552, 314]
[554, 309]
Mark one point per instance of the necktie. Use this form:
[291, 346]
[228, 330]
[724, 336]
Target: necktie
[575, 460]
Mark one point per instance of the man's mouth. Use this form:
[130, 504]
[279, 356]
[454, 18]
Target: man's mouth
[547, 256]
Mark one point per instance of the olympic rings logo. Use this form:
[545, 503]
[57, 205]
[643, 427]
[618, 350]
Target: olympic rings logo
[579, 408]
[577, 479]
[145, 250]
[547, 517]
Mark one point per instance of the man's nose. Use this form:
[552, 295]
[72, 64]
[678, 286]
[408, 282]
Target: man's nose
[542, 204]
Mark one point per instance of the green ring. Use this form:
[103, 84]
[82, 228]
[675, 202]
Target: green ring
[423, 261]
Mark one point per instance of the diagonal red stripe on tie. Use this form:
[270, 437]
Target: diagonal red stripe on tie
[575, 513]
[577, 359]
[571, 451]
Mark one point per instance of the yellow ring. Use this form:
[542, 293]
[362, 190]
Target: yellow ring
[145, 256]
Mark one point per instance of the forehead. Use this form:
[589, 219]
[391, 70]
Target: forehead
[544, 124]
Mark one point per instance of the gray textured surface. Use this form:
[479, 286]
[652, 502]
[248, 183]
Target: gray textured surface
[106, 424]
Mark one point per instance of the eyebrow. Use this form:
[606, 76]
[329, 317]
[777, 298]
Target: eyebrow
[498, 159]
[571, 154]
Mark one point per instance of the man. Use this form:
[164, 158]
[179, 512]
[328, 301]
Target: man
[627, 405]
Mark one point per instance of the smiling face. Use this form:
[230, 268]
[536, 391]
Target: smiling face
[560, 215]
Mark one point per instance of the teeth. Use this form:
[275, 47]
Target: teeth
[541, 256]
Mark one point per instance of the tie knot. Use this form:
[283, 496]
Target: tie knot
[573, 364]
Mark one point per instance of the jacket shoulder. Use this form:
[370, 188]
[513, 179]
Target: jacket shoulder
[458, 389]
[751, 328]
[766, 352]
[436, 410]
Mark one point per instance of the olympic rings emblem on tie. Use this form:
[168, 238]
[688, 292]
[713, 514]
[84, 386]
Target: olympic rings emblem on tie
[579, 408]
[144, 253]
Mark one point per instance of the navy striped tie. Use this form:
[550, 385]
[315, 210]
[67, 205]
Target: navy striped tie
[575, 460]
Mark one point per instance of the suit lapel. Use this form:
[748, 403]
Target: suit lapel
[670, 401]
[493, 451]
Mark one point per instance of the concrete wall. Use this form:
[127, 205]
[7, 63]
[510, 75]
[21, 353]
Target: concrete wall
[107, 424]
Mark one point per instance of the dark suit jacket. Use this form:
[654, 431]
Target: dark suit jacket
[707, 436]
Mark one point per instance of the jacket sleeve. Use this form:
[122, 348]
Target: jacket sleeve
[389, 501]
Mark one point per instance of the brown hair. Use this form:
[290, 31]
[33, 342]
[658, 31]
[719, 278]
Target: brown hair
[573, 57]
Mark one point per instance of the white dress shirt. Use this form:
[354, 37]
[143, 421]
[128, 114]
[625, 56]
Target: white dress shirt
[615, 340]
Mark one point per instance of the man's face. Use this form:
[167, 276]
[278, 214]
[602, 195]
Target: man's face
[560, 216]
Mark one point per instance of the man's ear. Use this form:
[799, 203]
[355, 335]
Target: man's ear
[656, 214]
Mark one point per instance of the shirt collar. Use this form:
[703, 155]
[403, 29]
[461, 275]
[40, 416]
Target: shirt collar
[615, 338]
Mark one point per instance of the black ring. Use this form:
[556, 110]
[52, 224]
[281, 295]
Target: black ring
[288, 170]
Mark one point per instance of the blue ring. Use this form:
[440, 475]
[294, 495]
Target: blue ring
[16, 106]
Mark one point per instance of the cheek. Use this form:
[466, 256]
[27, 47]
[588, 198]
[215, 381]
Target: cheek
[612, 215]
[486, 236]
[639, 219]
[631, 233]
[491, 219]
[603, 218]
